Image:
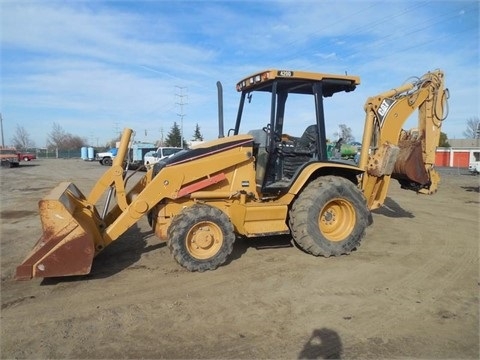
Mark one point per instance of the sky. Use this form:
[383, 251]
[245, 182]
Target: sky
[96, 67]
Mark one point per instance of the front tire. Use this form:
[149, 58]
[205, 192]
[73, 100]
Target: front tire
[201, 237]
[329, 217]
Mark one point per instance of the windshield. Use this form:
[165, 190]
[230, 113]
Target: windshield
[170, 151]
[299, 113]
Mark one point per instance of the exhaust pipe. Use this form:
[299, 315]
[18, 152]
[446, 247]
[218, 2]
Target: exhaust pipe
[220, 109]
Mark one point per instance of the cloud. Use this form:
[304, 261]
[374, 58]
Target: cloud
[93, 64]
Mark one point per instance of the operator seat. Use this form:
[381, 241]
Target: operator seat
[303, 150]
[308, 139]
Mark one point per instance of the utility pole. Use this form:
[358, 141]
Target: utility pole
[181, 103]
[477, 134]
[1, 129]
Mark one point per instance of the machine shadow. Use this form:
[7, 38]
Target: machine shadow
[471, 188]
[242, 244]
[323, 344]
[118, 256]
[20, 166]
[392, 209]
[129, 248]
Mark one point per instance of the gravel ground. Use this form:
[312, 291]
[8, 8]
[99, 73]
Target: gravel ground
[411, 290]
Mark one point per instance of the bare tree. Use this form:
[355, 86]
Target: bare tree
[59, 139]
[73, 142]
[21, 139]
[473, 128]
[344, 133]
[56, 137]
[113, 143]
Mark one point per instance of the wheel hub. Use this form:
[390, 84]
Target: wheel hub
[329, 217]
[203, 238]
[336, 219]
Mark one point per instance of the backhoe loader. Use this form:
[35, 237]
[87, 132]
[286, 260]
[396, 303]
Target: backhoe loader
[262, 182]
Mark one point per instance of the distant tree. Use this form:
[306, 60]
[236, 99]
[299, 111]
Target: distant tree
[113, 143]
[174, 137]
[443, 142]
[473, 128]
[21, 139]
[59, 139]
[56, 137]
[197, 135]
[73, 142]
[344, 133]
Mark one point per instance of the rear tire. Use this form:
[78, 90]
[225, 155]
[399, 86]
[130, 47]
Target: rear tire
[329, 217]
[107, 162]
[201, 237]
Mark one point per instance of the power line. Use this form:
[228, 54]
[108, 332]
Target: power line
[391, 38]
[369, 26]
[181, 103]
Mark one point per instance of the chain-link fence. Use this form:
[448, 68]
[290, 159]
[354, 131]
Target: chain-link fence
[60, 154]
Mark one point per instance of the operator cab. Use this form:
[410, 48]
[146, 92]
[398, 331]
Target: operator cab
[279, 156]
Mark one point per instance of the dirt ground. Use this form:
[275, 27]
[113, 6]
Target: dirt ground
[411, 290]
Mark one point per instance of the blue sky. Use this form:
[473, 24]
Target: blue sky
[95, 67]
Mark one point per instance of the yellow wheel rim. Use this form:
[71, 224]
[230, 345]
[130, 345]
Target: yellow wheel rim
[204, 240]
[337, 219]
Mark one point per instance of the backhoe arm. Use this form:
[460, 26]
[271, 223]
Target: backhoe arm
[389, 151]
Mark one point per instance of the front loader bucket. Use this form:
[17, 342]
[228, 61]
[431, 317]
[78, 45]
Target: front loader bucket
[67, 246]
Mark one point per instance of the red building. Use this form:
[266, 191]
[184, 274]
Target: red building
[460, 154]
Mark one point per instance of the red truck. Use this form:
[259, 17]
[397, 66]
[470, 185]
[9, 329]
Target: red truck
[26, 156]
[9, 157]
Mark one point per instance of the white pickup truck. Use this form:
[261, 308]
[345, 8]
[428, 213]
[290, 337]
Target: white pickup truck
[474, 166]
[152, 157]
[106, 158]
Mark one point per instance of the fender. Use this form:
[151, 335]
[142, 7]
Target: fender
[312, 170]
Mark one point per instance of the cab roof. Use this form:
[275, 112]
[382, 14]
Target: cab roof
[297, 82]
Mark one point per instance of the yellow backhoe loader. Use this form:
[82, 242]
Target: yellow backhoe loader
[263, 182]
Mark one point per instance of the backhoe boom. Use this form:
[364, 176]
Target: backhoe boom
[407, 155]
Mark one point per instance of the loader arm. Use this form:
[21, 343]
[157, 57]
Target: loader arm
[74, 231]
[388, 151]
[173, 182]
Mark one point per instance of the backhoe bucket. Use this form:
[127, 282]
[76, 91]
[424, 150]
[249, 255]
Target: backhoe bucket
[409, 165]
[67, 246]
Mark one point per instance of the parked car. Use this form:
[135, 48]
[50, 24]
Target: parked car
[474, 165]
[26, 156]
[152, 157]
[106, 157]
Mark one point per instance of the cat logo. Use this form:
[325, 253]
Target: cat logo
[383, 109]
